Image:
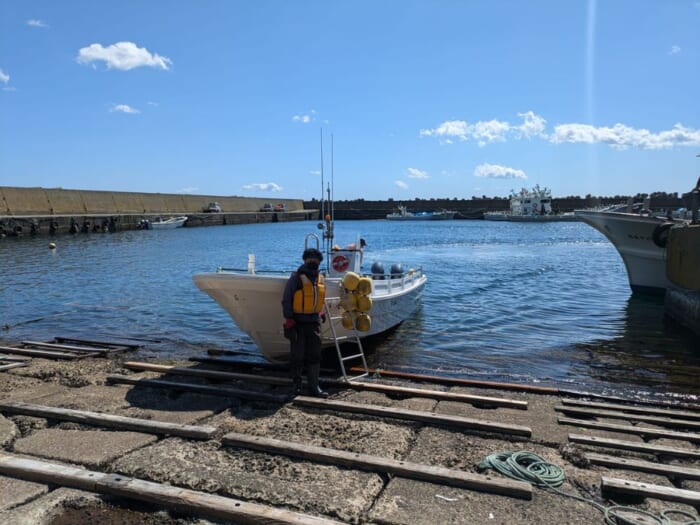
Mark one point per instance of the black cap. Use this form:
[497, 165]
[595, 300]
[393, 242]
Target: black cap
[312, 253]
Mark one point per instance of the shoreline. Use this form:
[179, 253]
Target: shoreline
[275, 480]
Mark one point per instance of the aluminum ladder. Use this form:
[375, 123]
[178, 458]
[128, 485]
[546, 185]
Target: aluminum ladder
[354, 338]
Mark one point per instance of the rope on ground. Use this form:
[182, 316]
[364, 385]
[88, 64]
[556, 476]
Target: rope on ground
[529, 467]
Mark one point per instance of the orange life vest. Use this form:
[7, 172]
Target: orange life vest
[309, 299]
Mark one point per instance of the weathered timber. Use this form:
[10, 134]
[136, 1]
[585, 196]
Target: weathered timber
[41, 353]
[279, 367]
[634, 446]
[202, 389]
[387, 389]
[661, 421]
[414, 415]
[68, 348]
[629, 429]
[105, 344]
[459, 382]
[209, 374]
[648, 490]
[15, 359]
[107, 420]
[683, 414]
[185, 500]
[675, 471]
[11, 366]
[406, 469]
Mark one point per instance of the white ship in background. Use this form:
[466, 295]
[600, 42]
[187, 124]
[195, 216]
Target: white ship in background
[530, 206]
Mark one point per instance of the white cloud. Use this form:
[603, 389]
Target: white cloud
[674, 50]
[122, 55]
[414, 173]
[618, 136]
[304, 119]
[263, 186]
[401, 184]
[495, 171]
[188, 190]
[315, 172]
[9, 88]
[36, 23]
[124, 108]
[4, 77]
[622, 137]
[152, 103]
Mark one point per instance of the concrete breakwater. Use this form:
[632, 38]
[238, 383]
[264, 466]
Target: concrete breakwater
[53, 210]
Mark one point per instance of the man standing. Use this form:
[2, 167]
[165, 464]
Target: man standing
[303, 309]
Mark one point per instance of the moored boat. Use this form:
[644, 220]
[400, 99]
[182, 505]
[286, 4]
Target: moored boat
[402, 214]
[530, 206]
[163, 224]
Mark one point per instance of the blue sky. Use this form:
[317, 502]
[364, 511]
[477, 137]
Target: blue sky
[428, 99]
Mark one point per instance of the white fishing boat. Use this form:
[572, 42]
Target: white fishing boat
[640, 238]
[402, 214]
[166, 224]
[530, 206]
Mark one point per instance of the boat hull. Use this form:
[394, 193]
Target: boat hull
[633, 237]
[254, 303]
[168, 224]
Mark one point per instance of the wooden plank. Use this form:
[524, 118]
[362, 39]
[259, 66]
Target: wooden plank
[661, 421]
[210, 374]
[185, 500]
[682, 414]
[388, 389]
[12, 365]
[413, 415]
[107, 420]
[40, 353]
[106, 344]
[69, 348]
[634, 446]
[675, 471]
[648, 490]
[459, 382]
[629, 429]
[15, 359]
[202, 389]
[405, 469]
[280, 367]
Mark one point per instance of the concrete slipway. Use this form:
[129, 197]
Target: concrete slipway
[208, 472]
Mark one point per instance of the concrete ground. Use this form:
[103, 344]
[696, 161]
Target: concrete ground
[338, 493]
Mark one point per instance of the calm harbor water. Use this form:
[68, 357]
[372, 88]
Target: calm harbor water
[542, 303]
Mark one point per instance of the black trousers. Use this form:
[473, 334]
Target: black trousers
[307, 347]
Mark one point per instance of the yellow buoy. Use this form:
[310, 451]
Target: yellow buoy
[364, 303]
[349, 302]
[363, 322]
[364, 286]
[350, 281]
[52, 246]
[347, 320]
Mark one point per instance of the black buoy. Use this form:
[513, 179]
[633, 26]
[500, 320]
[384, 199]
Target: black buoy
[378, 270]
[396, 270]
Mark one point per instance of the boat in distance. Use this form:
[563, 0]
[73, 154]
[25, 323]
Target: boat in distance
[163, 224]
[530, 206]
[640, 238]
[402, 214]
[253, 300]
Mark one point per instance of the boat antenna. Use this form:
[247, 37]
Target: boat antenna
[332, 203]
[322, 201]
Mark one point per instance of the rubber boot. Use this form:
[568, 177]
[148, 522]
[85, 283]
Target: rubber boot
[312, 377]
[295, 372]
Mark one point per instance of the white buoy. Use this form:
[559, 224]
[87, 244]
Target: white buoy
[52, 246]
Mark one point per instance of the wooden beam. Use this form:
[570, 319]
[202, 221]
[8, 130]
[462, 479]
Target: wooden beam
[210, 374]
[202, 389]
[413, 415]
[405, 469]
[675, 471]
[40, 353]
[683, 414]
[460, 382]
[12, 365]
[387, 389]
[106, 344]
[661, 421]
[629, 429]
[15, 359]
[167, 496]
[68, 348]
[634, 446]
[107, 420]
[648, 490]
